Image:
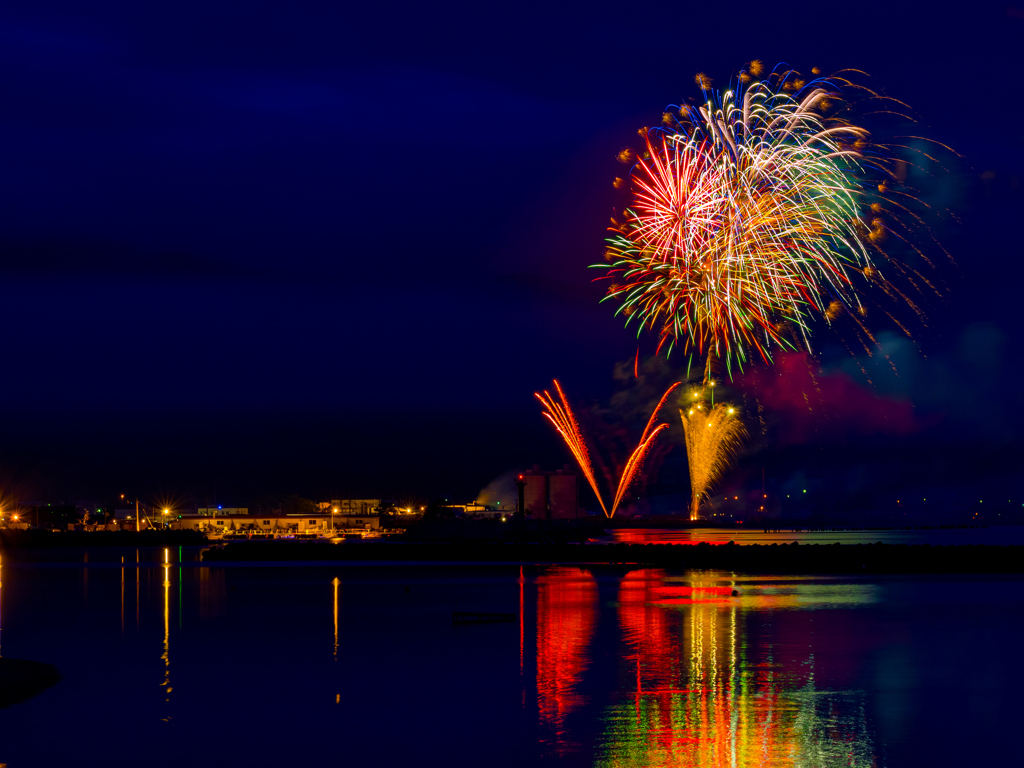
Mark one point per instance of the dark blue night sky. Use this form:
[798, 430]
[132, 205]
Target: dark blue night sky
[333, 250]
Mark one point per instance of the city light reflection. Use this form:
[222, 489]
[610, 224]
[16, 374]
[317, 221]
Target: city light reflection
[336, 583]
[166, 657]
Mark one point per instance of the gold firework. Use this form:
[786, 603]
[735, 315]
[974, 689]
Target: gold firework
[713, 436]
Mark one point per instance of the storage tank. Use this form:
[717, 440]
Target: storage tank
[562, 494]
[536, 494]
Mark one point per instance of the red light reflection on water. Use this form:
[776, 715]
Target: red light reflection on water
[566, 616]
[657, 536]
[685, 595]
[651, 634]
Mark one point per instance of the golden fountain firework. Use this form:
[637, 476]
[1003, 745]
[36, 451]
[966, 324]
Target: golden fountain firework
[713, 436]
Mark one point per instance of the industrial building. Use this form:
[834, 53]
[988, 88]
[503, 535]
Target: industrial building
[551, 495]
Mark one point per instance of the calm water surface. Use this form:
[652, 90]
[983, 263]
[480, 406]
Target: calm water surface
[996, 535]
[181, 664]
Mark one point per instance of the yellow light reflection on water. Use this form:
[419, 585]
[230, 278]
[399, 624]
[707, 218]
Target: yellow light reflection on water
[336, 583]
[166, 657]
[709, 694]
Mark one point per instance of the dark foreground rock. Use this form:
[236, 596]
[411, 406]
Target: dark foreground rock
[21, 680]
[750, 558]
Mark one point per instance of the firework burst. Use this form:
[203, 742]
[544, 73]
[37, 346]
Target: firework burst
[713, 436]
[561, 416]
[753, 214]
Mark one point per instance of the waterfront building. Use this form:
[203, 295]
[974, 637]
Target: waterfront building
[347, 507]
[275, 523]
[218, 511]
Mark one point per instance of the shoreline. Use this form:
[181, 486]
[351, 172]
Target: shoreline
[748, 558]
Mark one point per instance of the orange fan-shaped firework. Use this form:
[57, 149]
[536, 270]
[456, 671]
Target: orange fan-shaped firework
[561, 416]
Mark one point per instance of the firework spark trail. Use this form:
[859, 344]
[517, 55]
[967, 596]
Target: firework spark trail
[658, 407]
[751, 215]
[646, 441]
[564, 421]
[633, 465]
[713, 436]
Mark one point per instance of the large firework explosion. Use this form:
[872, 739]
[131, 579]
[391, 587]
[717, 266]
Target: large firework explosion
[713, 436]
[756, 211]
[561, 416]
